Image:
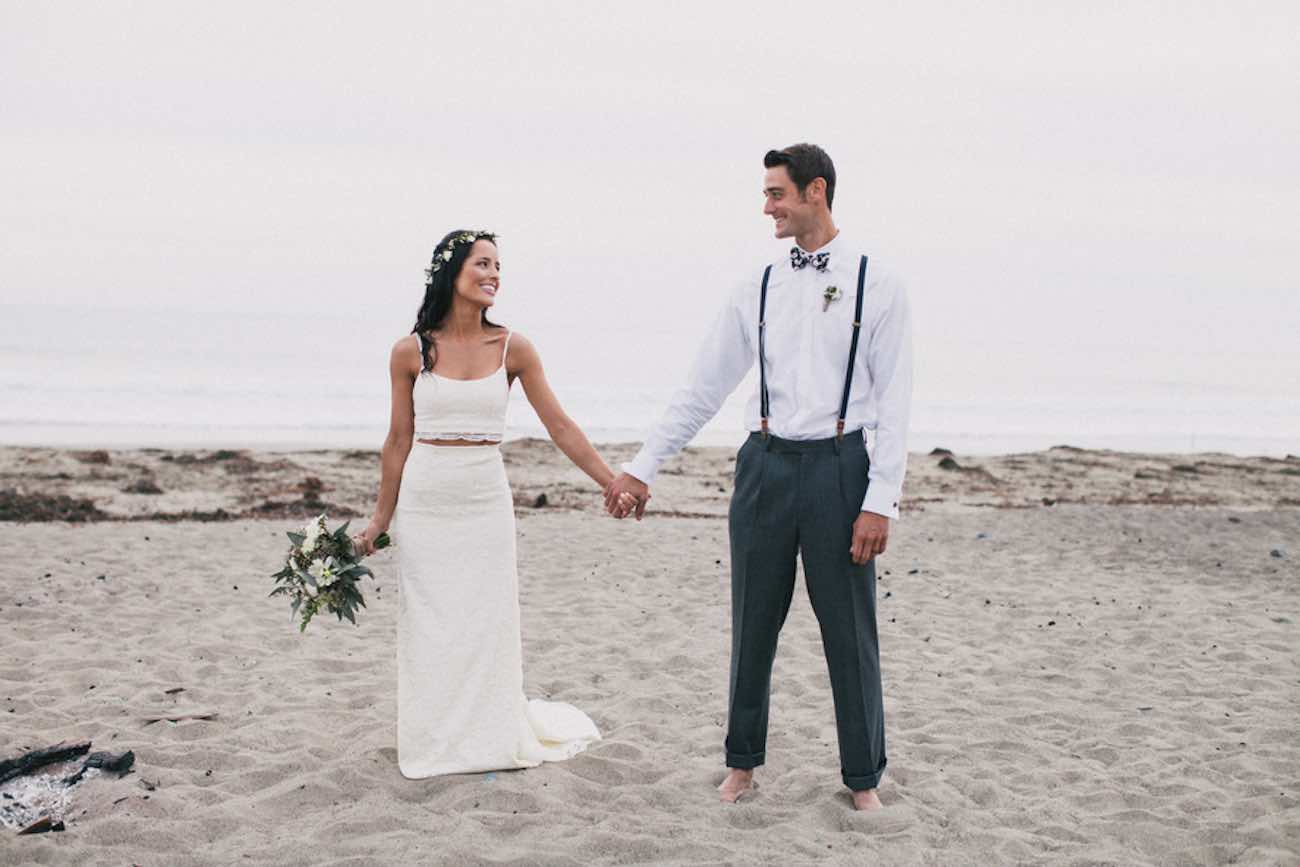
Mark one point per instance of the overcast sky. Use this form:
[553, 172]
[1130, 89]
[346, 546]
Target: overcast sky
[1049, 178]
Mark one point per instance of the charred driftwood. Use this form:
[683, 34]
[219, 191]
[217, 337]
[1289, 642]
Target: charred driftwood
[117, 763]
[39, 810]
[29, 762]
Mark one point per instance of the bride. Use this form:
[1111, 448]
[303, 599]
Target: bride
[460, 695]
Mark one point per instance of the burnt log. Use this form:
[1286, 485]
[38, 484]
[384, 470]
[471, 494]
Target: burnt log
[29, 762]
[117, 763]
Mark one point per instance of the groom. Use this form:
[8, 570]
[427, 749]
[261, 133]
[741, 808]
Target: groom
[830, 332]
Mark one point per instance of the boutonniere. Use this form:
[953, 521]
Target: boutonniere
[832, 293]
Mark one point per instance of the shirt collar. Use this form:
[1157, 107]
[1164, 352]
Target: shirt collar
[832, 246]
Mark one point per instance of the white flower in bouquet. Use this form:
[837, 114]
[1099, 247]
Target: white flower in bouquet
[323, 571]
[331, 579]
[312, 534]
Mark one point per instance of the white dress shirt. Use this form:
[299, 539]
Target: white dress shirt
[807, 355]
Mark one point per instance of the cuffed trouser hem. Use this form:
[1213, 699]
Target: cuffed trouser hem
[861, 784]
[745, 762]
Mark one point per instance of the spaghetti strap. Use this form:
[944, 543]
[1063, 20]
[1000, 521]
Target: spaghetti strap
[421, 348]
[506, 347]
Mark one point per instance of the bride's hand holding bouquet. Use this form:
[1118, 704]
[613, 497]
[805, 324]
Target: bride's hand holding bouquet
[371, 539]
[323, 571]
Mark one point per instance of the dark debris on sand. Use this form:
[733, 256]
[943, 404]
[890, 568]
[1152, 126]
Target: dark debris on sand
[32, 778]
[308, 506]
[303, 508]
[16, 506]
[142, 486]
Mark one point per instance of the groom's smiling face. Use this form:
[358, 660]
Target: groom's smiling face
[792, 212]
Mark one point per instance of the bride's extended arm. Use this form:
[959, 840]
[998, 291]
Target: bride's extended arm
[402, 367]
[525, 363]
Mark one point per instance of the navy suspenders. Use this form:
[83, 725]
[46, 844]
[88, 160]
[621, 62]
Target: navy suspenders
[762, 365]
[853, 350]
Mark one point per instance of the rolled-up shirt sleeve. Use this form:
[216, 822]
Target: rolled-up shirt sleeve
[889, 360]
[721, 363]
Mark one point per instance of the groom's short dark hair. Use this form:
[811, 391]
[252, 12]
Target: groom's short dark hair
[805, 162]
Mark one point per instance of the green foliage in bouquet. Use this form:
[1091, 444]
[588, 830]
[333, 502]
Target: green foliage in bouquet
[322, 572]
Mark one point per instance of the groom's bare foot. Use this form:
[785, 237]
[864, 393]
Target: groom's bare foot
[867, 799]
[739, 783]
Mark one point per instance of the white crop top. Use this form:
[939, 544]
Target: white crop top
[461, 409]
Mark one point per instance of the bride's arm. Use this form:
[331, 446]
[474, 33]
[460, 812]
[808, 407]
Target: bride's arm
[526, 364]
[403, 367]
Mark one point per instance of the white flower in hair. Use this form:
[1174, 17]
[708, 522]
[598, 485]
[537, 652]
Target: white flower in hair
[443, 257]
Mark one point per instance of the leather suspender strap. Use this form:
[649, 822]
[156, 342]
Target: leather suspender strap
[853, 348]
[762, 364]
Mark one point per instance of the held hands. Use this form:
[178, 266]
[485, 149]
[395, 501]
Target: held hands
[626, 495]
[870, 533]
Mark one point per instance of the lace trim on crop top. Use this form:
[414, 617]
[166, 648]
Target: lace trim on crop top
[464, 436]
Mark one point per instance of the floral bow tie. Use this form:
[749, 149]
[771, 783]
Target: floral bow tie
[799, 259]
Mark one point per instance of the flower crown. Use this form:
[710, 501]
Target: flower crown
[442, 255]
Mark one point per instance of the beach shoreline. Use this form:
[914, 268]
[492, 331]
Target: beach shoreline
[227, 483]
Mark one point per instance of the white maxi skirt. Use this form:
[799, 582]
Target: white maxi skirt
[460, 692]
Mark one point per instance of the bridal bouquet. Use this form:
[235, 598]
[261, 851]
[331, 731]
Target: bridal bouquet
[323, 572]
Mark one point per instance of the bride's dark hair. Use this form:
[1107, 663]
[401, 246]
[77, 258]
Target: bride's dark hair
[440, 287]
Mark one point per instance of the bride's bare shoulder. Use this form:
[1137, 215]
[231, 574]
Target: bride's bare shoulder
[520, 353]
[520, 343]
[406, 352]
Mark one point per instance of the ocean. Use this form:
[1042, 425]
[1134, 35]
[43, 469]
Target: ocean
[85, 377]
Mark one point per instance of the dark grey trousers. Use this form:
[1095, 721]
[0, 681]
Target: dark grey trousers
[802, 497]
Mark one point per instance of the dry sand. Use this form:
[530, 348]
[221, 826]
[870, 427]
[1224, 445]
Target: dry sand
[1113, 678]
